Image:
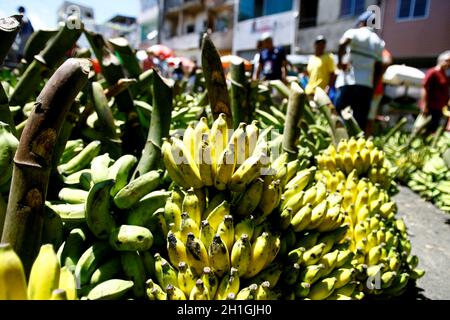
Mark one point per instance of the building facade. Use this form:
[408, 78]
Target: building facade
[148, 21]
[185, 21]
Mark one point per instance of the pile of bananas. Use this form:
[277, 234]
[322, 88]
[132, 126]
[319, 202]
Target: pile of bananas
[359, 154]
[47, 280]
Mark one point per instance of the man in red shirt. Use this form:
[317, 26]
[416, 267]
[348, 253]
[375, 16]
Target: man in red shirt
[435, 92]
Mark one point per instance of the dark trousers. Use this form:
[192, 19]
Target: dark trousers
[436, 116]
[358, 98]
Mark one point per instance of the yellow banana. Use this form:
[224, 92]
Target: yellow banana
[176, 249]
[67, 282]
[248, 171]
[199, 292]
[185, 277]
[219, 257]
[240, 254]
[322, 289]
[189, 139]
[251, 198]
[245, 226]
[172, 166]
[226, 231]
[218, 214]
[205, 164]
[186, 164]
[218, 139]
[247, 293]
[197, 256]
[210, 280]
[192, 205]
[259, 254]
[188, 225]
[12, 276]
[201, 131]
[174, 293]
[44, 276]
[206, 233]
[225, 167]
[251, 138]
[229, 284]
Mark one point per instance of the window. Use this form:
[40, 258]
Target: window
[350, 8]
[308, 14]
[412, 9]
[250, 9]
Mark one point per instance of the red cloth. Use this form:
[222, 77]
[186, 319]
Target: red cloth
[436, 84]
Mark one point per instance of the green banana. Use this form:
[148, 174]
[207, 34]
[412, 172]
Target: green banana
[112, 289]
[90, 260]
[131, 238]
[81, 160]
[120, 172]
[134, 270]
[98, 213]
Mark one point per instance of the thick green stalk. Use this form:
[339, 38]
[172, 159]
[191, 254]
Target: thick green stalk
[47, 59]
[240, 104]
[37, 41]
[395, 129]
[352, 126]
[297, 98]
[127, 55]
[33, 159]
[9, 27]
[159, 125]
[215, 80]
[104, 113]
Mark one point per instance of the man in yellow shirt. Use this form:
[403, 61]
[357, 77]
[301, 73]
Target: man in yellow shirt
[321, 68]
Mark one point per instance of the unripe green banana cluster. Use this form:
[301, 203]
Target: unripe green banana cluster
[360, 155]
[47, 279]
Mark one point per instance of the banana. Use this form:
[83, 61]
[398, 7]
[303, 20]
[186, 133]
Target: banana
[120, 172]
[172, 166]
[318, 214]
[68, 283]
[247, 293]
[210, 281]
[296, 255]
[251, 198]
[197, 255]
[165, 274]
[219, 257]
[206, 233]
[74, 196]
[225, 167]
[308, 240]
[240, 255]
[322, 289]
[172, 214]
[205, 163]
[142, 213]
[344, 257]
[263, 292]
[81, 160]
[58, 294]
[185, 277]
[108, 270]
[199, 292]
[302, 289]
[176, 249]
[226, 231]
[329, 261]
[218, 214]
[248, 171]
[313, 255]
[301, 220]
[285, 219]
[112, 289]
[245, 226]
[74, 178]
[44, 275]
[230, 284]
[343, 276]
[85, 180]
[218, 138]
[188, 225]
[185, 163]
[129, 195]
[99, 168]
[251, 138]
[154, 291]
[13, 284]
[52, 229]
[72, 249]
[373, 256]
[189, 139]
[271, 198]
[387, 279]
[291, 274]
[174, 293]
[201, 131]
[134, 270]
[71, 214]
[238, 139]
[72, 148]
[311, 273]
[131, 238]
[213, 202]
[90, 260]
[193, 207]
[260, 254]
[271, 274]
[98, 215]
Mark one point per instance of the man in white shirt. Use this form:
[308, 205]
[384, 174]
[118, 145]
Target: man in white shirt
[359, 63]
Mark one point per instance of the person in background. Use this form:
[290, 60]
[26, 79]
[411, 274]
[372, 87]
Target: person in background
[256, 57]
[25, 32]
[272, 61]
[378, 92]
[321, 68]
[192, 75]
[150, 62]
[359, 63]
[435, 91]
[178, 72]
[303, 77]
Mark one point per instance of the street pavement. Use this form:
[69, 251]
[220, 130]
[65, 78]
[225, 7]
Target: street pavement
[429, 231]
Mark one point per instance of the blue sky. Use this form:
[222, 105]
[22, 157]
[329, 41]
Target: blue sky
[42, 13]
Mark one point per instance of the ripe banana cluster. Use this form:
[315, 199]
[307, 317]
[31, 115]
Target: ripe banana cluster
[47, 279]
[359, 154]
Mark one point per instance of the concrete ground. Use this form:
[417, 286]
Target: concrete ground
[429, 230]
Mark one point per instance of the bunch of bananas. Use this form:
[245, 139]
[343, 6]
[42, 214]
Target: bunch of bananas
[47, 280]
[360, 155]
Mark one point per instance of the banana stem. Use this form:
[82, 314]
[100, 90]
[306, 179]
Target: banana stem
[119, 87]
[37, 41]
[215, 80]
[437, 136]
[162, 93]
[352, 126]
[294, 114]
[33, 159]
[280, 87]
[127, 55]
[395, 129]
[46, 60]
[240, 106]
[9, 27]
